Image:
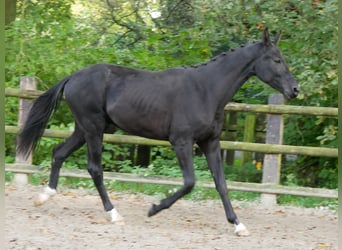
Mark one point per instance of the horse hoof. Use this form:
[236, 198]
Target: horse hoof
[43, 197]
[241, 230]
[152, 211]
[115, 217]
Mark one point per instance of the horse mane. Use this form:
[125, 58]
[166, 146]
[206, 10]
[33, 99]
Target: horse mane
[222, 54]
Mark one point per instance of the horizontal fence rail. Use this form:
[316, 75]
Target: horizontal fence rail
[160, 180]
[242, 107]
[282, 109]
[231, 145]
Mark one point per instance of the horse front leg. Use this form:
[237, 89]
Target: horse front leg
[183, 152]
[212, 151]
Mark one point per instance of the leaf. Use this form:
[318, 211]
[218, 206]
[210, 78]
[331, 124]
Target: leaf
[323, 245]
[280, 212]
[70, 194]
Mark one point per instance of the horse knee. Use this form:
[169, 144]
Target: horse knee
[221, 187]
[96, 174]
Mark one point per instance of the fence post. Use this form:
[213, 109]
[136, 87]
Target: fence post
[248, 136]
[143, 156]
[272, 162]
[260, 135]
[26, 83]
[230, 135]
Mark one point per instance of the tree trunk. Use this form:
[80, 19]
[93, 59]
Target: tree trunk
[10, 11]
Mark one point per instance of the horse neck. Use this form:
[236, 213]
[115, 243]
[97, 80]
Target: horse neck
[226, 73]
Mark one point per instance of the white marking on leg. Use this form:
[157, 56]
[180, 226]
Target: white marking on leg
[43, 197]
[115, 217]
[241, 230]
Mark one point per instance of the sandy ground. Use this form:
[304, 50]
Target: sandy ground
[74, 219]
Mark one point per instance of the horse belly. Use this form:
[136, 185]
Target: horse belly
[155, 127]
[143, 116]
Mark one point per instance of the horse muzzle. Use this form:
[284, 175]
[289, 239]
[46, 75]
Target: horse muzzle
[292, 93]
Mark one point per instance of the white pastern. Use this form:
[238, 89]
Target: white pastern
[241, 230]
[115, 217]
[43, 197]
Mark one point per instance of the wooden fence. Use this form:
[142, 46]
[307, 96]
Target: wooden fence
[269, 188]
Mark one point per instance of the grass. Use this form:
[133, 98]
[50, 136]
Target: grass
[308, 202]
[163, 191]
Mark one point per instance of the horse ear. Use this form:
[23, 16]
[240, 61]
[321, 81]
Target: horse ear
[266, 38]
[277, 38]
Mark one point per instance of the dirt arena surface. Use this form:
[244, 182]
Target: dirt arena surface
[74, 219]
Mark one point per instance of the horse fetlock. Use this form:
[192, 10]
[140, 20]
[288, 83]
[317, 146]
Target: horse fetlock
[233, 220]
[241, 230]
[115, 217]
[43, 197]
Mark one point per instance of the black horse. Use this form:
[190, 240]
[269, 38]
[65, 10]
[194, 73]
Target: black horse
[184, 105]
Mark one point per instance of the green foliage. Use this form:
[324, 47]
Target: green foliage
[312, 172]
[50, 45]
[245, 173]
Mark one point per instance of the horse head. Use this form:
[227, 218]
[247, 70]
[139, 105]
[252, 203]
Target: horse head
[272, 69]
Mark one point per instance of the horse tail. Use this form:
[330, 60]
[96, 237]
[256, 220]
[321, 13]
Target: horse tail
[39, 115]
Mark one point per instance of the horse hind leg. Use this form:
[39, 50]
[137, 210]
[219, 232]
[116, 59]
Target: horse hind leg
[94, 143]
[60, 153]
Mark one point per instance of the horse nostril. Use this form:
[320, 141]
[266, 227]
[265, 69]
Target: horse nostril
[296, 90]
